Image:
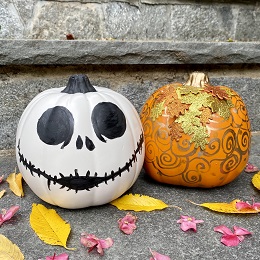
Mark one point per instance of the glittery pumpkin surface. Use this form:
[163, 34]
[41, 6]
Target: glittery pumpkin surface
[195, 136]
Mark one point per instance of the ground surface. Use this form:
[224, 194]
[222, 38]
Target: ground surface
[157, 230]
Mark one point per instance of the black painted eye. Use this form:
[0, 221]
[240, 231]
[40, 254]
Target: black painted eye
[108, 120]
[55, 126]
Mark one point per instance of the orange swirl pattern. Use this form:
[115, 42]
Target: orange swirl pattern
[181, 163]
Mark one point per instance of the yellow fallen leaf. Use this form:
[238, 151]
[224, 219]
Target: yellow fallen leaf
[49, 226]
[256, 180]
[15, 183]
[138, 202]
[226, 207]
[2, 192]
[8, 250]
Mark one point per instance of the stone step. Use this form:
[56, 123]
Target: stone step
[77, 52]
[133, 68]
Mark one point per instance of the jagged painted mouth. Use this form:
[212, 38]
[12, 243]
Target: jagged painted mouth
[78, 182]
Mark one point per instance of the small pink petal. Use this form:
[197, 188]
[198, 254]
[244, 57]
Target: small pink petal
[246, 205]
[1, 178]
[88, 240]
[58, 257]
[223, 229]
[256, 206]
[251, 168]
[241, 231]
[91, 241]
[106, 243]
[157, 256]
[127, 223]
[230, 240]
[189, 223]
[10, 212]
[243, 205]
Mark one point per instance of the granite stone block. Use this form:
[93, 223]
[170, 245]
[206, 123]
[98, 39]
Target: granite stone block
[202, 23]
[248, 23]
[11, 26]
[55, 20]
[125, 22]
[130, 20]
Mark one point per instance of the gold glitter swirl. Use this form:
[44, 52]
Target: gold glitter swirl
[184, 147]
[151, 151]
[145, 112]
[167, 161]
[244, 140]
[199, 167]
[229, 141]
[191, 177]
[230, 163]
[148, 127]
[241, 110]
[214, 146]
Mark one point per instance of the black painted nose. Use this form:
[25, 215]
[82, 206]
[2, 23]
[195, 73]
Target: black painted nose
[89, 144]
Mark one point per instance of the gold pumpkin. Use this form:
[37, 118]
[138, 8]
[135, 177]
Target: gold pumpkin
[196, 134]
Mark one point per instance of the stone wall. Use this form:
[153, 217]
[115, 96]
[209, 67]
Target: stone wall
[130, 46]
[131, 20]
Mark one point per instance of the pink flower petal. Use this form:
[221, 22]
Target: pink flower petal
[58, 257]
[8, 214]
[127, 223]
[246, 205]
[1, 178]
[91, 241]
[88, 240]
[106, 243]
[223, 229]
[251, 168]
[256, 205]
[241, 231]
[157, 256]
[230, 240]
[243, 205]
[189, 223]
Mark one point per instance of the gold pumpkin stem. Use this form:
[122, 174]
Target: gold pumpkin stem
[197, 79]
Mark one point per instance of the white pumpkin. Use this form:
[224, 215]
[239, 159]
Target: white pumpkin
[79, 146]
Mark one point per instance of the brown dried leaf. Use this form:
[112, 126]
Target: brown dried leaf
[217, 91]
[175, 131]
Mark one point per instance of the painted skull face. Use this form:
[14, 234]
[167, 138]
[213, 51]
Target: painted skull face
[80, 146]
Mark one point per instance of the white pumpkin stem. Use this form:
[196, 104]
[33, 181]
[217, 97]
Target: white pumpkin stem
[197, 79]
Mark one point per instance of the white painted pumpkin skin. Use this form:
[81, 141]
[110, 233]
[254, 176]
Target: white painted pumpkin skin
[80, 149]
